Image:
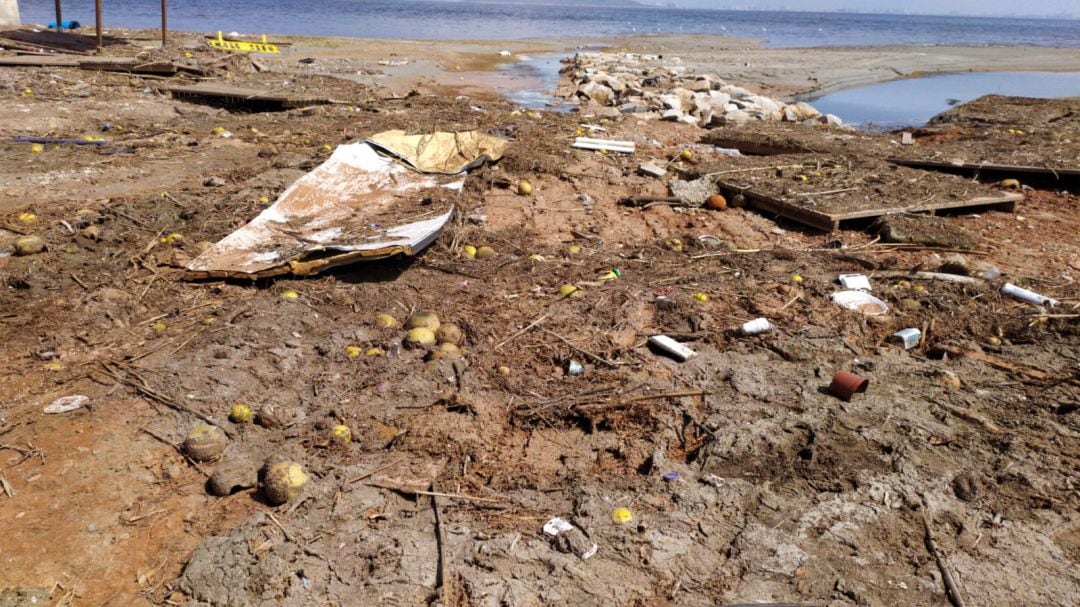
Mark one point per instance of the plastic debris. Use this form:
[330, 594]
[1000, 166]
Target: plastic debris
[1029, 296]
[855, 282]
[757, 326]
[569, 538]
[68, 403]
[573, 367]
[909, 338]
[677, 351]
[860, 301]
[845, 385]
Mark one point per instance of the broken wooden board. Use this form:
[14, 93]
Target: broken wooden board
[1065, 177]
[822, 191]
[40, 61]
[65, 41]
[251, 99]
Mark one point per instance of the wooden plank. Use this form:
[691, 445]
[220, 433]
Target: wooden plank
[40, 61]
[233, 94]
[831, 221]
[1003, 168]
[764, 202]
[1005, 199]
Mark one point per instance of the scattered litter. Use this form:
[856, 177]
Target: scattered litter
[906, 139]
[860, 301]
[845, 385]
[569, 538]
[671, 476]
[573, 367]
[652, 169]
[68, 403]
[757, 326]
[909, 338]
[1029, 296]
[678, 351]
[607, 145]
[855, 282]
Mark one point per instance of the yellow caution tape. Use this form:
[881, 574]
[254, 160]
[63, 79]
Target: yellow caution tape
[243, 47]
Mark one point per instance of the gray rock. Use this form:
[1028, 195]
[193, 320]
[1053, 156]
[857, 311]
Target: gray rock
[233, 474]
[694, 192]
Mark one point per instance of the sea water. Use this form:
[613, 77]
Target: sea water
[464, 20]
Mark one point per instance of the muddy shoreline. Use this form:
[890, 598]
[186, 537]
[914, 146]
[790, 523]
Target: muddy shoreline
[739, 475]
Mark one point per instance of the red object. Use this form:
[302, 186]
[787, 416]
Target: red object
[844, 385]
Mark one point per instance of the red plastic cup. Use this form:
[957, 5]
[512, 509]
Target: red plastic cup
[844, 385]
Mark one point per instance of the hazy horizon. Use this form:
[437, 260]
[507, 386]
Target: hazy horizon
[976, 8]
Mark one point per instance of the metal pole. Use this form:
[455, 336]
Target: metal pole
[164, 23]
[97, 15]
[59, 17]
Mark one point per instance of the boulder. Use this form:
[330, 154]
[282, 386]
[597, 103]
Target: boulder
[800, 112]
[766, 104]
[597, 92]
[736, 92]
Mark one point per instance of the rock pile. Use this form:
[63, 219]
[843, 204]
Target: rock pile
[655, 87]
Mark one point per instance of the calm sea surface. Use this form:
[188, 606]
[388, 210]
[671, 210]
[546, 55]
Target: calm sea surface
[453, 20]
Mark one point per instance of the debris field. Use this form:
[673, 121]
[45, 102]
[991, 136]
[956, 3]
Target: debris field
[404, 431]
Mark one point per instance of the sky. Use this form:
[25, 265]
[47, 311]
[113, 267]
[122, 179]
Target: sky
[967, 7]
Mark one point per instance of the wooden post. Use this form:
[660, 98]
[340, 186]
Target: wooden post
[59, 17]
[164, 23]
[97, 15]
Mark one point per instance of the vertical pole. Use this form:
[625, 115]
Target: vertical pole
[59, 18]
[164, 23]
[97, 15]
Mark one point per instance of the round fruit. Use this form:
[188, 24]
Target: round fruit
[341, 433]
[29, 245]
[420, 337]
[282, 481]
[386, 321]
[485, 252]
[524, 188]
[205, 442]
[423, 320]
[716, 202]
[239, 414]
[569, 291]
[449, 333]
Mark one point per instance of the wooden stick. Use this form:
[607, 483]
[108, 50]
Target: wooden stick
[827, 192]
[460, 496]
[598, 359]
[523, 331]
[375, 471]
[951, 589]
[440, 539]
[995, 361]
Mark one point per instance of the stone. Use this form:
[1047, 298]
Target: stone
[766, 104]
[833, 120]
[694, 192]
[966, 487]
[673, 102]
[233, 474]
[700, 86]
[733, 117]
[634, 108]
[735, 92]
[671, 115]
[597, 92]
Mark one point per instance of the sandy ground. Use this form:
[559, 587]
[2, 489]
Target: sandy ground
[784, 73]
[747, 480]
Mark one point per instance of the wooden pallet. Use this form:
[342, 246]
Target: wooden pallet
[1063, 175]
[223, 94]
[831, 221]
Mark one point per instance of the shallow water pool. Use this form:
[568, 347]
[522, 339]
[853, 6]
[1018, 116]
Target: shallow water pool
[913, 101]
